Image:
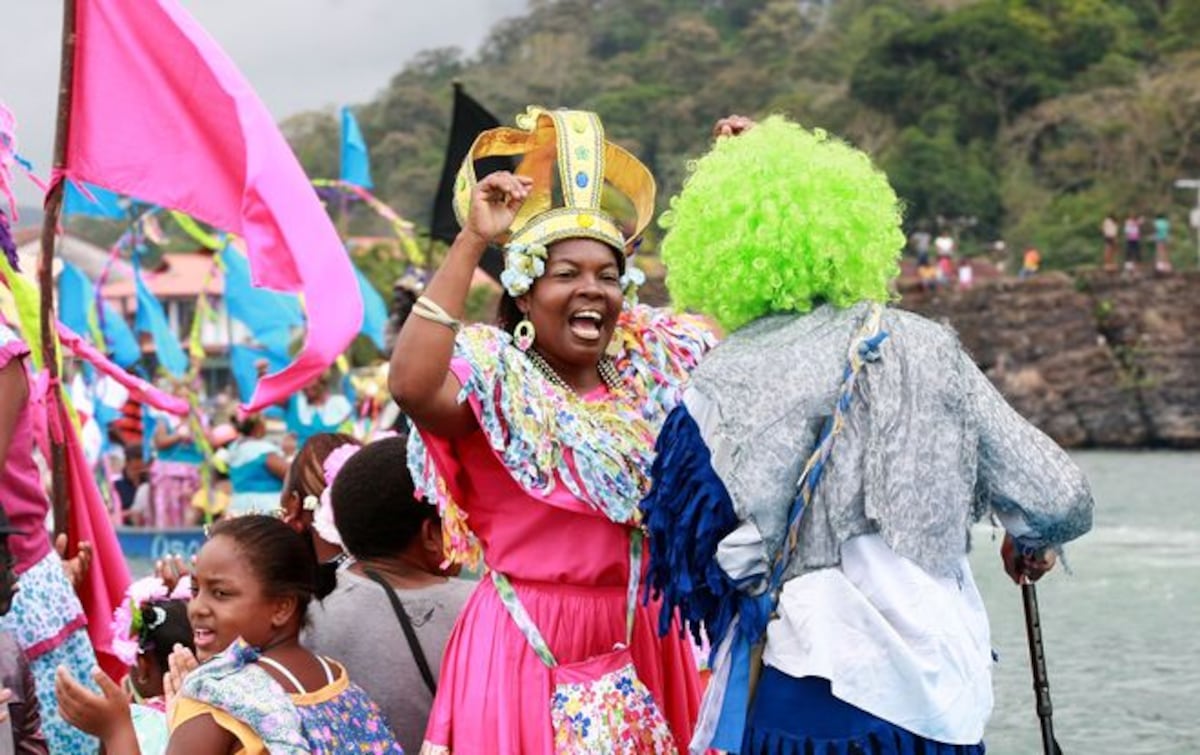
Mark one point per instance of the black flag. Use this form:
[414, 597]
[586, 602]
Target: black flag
[470, 119]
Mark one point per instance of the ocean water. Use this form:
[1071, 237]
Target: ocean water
[1120, 633]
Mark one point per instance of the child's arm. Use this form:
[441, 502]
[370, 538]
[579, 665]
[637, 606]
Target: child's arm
[200, 736]
[105, 716]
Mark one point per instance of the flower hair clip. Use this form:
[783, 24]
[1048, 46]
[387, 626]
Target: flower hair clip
[130, 618]
[323, 518]
[523, 264]
[631, 281]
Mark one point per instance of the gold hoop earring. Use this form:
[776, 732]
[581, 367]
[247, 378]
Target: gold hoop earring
[524, 334]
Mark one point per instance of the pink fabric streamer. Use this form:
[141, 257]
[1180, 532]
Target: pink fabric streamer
[105, 583]
[141, 391]
[200, 141]
[8, 153]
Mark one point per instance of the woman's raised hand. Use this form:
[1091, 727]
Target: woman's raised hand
[495, 202]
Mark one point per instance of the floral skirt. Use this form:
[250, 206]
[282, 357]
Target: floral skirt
[173, 484]
[494, 693]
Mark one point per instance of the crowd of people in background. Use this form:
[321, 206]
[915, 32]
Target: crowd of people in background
[1132, 230]
[190, 471]
[940, 262]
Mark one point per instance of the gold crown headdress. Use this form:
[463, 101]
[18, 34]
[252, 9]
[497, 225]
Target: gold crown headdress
[598, 182]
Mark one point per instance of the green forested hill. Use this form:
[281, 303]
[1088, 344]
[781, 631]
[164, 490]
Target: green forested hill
[1021, 119]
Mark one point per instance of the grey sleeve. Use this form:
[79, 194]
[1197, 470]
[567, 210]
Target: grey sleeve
[1024, 477]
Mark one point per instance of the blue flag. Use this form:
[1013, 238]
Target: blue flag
[152, 320]
[356, 161]
[77, 303]
[375, 313]
[243, 363]
[75, 299]
[107, 204]
[269, 315]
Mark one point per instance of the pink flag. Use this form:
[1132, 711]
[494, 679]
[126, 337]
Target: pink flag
[159, 112]
[105, 583]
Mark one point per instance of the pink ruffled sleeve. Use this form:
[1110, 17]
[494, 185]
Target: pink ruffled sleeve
[11, 346]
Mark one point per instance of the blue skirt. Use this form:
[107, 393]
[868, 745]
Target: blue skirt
[802, 717]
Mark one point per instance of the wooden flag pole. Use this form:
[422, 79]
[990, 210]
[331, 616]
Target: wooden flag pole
[53, 209]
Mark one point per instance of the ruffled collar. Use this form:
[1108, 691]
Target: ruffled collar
[601, 450]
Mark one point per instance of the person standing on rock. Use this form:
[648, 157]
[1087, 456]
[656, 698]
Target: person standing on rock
[1109, 229]
[1133, 241]
[1162, 241]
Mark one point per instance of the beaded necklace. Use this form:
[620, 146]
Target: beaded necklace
[600, 451]
[607, 370]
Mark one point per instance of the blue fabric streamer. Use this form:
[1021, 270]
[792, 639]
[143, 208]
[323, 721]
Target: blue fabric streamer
[106, 204]
[356, 161]
[149, 425]
[375, 313]
[242, 363]
[152, 320]
[731, 726]
[269, 315]
[75, 296]
[122, 343]
[686, 514]
[23, 162]
[77, 299]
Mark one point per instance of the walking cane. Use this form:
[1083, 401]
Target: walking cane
[1037, 660]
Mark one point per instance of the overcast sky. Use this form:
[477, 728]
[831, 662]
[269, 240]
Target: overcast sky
[298, 54]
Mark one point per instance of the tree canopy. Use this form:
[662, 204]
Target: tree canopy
[1029, 119]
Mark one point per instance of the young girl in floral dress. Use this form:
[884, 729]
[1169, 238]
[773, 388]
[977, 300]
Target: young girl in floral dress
[256, 690]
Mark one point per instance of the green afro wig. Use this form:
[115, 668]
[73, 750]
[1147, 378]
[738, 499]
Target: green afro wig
[780, 219]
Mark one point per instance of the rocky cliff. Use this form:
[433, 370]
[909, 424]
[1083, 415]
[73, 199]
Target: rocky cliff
[1094, 359]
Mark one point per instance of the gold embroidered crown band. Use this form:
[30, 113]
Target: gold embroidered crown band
[592, 175]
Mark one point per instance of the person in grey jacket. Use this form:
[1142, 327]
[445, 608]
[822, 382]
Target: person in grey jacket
[813, 495]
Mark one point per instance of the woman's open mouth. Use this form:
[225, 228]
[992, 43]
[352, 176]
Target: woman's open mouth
[586, 324]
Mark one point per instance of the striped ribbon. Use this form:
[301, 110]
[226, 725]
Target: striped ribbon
[864, 348]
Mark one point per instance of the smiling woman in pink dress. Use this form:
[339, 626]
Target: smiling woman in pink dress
[536, 440]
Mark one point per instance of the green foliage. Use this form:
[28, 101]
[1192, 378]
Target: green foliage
[1032, 116]
[987, 60]
[482, 304]
[916, 164]
[1182, 24]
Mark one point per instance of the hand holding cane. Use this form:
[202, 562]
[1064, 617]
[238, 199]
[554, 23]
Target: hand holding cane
[1025, 568]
